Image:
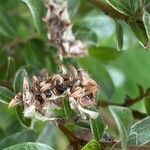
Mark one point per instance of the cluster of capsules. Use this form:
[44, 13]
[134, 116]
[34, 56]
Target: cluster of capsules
[46, 93]
[60, 30]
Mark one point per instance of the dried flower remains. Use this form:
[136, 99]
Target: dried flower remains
[47, 93]
[60, 30]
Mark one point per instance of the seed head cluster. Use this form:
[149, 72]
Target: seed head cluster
[45, 93]
[60, 30]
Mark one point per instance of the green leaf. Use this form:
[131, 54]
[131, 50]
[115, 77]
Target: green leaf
[73, 6]
[24, 121]
[67, 109]
[10, 68]
[80, 32]
[19, 137]
[127, 7]
[99, 73]
[146, 21]
[104, 54]
[18, 81]
[29, 146]
[97, 127]
[34, 55]
[36, 8]
[2, 133]
[6, 95]
[140, 132]
[123, 118]
[83, 124]
[48, 135]
[140, 33]
[147, 104]
[7, 27]
[119, 35]
[92, 145]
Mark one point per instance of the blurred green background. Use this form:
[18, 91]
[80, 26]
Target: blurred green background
[23, 39]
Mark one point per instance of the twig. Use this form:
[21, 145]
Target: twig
[77, 142]
[108, 10]
[131, 101]
[128, 101]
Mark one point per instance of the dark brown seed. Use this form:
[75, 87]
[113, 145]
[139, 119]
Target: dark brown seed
[48, 93]
[61, 88]
[39, 98]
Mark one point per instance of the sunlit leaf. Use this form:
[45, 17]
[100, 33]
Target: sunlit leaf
[92, 145]
[123, 118]
[147, 104]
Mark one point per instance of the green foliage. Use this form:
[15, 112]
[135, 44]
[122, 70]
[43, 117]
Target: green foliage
[36, 9]
[97, 128]
[123, 118]
[25, 121]
[92, 145]
[6, 95]
[119, 35]
[139, 132]
[20, 137]
[25, 50]
[18, 80]
[28, 146]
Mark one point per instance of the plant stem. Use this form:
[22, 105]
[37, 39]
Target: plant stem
[108, 10]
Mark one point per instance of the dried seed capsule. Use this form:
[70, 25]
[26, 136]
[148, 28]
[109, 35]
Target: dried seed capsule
[61, 88]
[48, 93]
[39, 98]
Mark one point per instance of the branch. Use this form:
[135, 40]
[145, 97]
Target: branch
[77, 142]
[130, 101]
[109, 10]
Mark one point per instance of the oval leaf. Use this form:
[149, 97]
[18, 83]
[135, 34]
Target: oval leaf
[97, 127]
[6, 95]
[146, 21]
[119, 35]
[104, 54]
[18, 81]
[123, 118]
[140, 33]
[7, 26]
[92, 145]
[140, 132]
[36, 9]
[127, 7]
[25, 121]
[29, 146]
[19, 137]
[10, 68]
